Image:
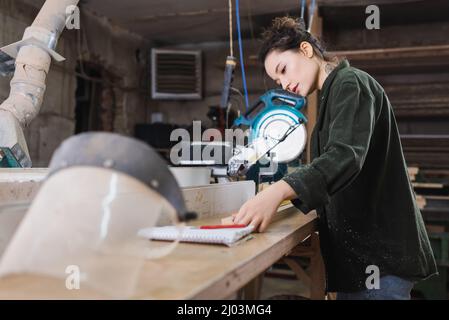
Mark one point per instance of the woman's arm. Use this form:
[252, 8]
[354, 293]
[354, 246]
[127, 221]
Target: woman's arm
[353, 115]
[259, 210]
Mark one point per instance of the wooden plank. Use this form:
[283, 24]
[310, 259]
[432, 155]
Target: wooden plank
[192, 271]
[252, 267]
[385, 61]
[428, 185]
[213, 200]
[284, 205]
[413, 171]
[425, 142]
[300, 273]
[444, 198]
[317, 271]
[315, 275]
[280, 274]
[426, 151]
[23, 174]
[421, 201]
[253, 290]
[432, 214]
[20, 184]
[435, 174]
[396, 53]
[434, 228]
[331, 296]
[357, 3]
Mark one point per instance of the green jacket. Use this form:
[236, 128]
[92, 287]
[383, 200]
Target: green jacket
[359, 185]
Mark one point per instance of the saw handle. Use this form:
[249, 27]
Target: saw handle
[285, 97]
[268, 100]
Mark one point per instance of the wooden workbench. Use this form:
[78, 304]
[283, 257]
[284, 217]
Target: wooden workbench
[192, 271]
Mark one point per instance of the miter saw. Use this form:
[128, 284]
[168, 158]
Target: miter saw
[276, 125]
[276, 134]
[277, 130]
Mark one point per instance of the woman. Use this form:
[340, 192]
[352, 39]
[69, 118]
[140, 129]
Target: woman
[357, 182]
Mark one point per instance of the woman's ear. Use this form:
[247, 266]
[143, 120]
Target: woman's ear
[306, 49]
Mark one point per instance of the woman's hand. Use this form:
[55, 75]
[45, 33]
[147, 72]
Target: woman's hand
[259, 210]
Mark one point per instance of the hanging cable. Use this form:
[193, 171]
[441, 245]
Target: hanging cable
[228, 74]
[312, 12]
[231, 45]
[301, 19]
[303, 4]
[250, 19]
[245, 89]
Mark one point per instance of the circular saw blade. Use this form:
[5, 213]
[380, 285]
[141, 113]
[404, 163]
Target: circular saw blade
[273, 126]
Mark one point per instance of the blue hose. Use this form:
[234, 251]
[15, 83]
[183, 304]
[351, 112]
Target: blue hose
[303, 4]
[245, 89]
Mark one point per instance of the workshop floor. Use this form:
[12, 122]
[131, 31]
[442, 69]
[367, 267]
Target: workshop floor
[284, 289]
[279, 289]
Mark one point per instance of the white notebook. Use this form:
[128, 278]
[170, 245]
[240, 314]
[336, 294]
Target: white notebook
[227, 236]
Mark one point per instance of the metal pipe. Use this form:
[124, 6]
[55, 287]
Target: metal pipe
[32, 66]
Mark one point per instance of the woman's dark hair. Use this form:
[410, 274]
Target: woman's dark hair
[286, 33]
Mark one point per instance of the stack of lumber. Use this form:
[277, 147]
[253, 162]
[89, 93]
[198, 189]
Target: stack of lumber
[433, 200]
[428, 152]
[420, 200]
[412, 172]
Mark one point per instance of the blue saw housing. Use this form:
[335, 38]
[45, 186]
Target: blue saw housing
[273, 102]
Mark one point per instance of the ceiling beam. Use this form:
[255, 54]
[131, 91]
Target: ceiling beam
[360, 3]
[432, 58]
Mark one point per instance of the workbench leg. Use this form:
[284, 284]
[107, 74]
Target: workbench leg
[317, 271]
[252, 291]
[314, 278]
[331, 296]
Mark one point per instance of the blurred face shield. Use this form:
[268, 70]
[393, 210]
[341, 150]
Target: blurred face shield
[86, 220]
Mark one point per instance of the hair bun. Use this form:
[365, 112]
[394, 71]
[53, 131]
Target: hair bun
[286, 23]
[287, 33]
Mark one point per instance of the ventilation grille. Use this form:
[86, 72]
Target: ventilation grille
[176, 74]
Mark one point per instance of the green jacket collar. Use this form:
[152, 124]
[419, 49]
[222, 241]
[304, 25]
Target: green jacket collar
[330, 78]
